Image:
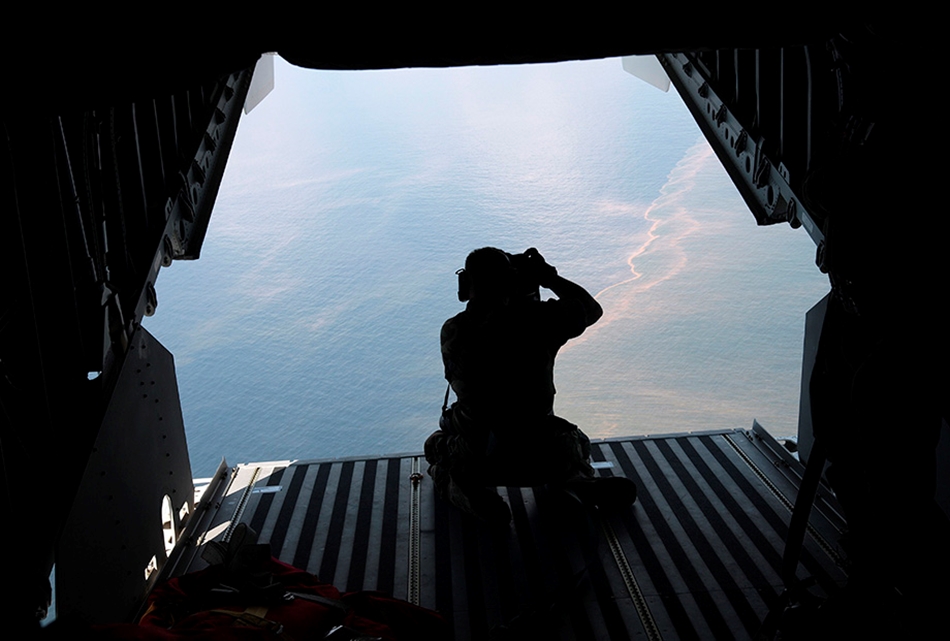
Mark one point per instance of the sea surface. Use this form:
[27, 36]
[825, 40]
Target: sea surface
[310, 326]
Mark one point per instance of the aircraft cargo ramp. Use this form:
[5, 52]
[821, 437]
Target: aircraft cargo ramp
[698, 556]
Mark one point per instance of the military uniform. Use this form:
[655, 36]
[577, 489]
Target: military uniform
[499, 360]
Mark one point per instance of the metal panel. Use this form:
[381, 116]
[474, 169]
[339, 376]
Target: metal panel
[114, 531]
[762, 182]
[698, 555]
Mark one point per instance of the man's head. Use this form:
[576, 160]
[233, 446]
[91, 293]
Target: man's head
[488, 275]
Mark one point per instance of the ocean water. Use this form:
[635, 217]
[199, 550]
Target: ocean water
[310, 326]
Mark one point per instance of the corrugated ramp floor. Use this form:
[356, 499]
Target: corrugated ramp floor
[697, 556]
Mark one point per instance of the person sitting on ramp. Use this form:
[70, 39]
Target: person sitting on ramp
[499, 360]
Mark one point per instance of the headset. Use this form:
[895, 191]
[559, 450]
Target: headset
[465, 284]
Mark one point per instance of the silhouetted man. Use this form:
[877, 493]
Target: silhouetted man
[499, 359]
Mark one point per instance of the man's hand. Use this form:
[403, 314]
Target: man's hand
[548, 278]
[540, 271]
